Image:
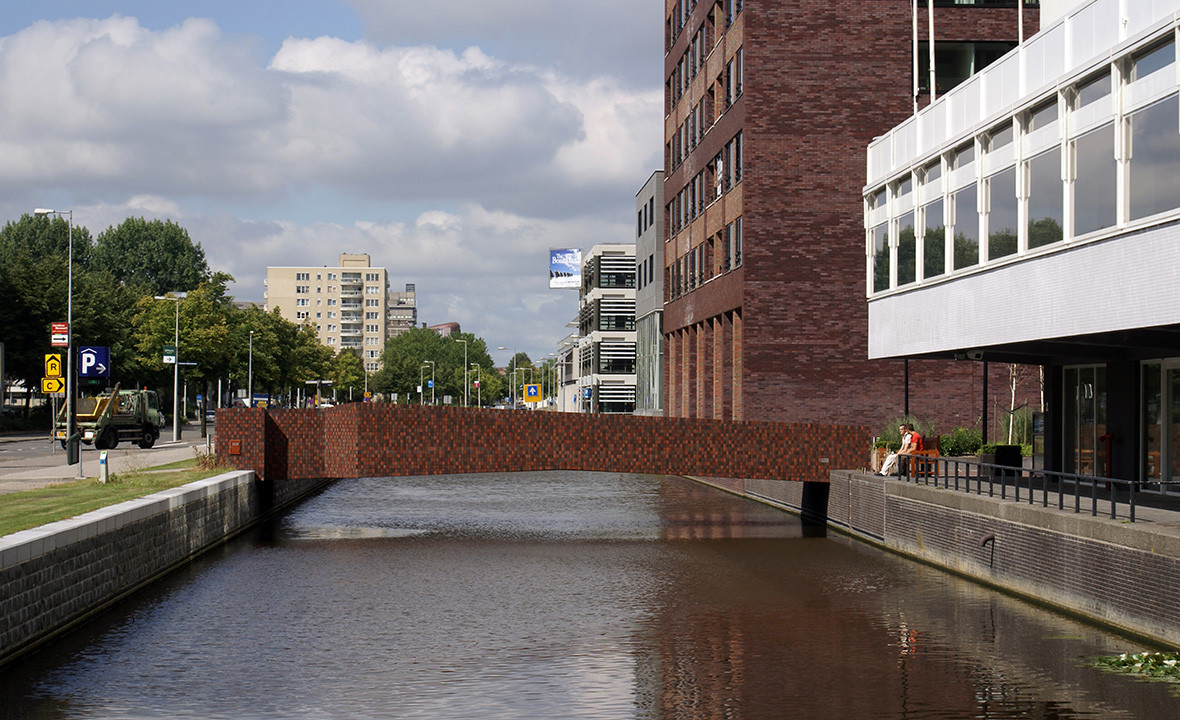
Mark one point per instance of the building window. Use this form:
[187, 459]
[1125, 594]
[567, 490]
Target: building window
[372, 329]
[302, 276]
[302, 302]
[301, 315]
[331, 314]
[302, 289]
[1154, 159]
[372, 303]
[370, 316]
[372, 290]
[331, 302]
[955, 61]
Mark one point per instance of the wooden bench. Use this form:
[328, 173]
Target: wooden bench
[925, 463]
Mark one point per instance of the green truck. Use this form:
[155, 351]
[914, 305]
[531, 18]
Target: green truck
[105, 420]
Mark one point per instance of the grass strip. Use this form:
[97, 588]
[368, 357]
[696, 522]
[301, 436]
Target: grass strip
[33, 508]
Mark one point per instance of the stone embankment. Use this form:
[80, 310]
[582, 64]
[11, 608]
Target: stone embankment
[57, 575]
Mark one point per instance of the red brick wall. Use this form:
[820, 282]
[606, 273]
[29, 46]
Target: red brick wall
[821, 81]
[359, 440]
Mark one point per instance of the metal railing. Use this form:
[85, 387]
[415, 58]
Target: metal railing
[1027, 485]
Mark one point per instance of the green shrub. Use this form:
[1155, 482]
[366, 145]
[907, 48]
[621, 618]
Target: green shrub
[889, 436]
[961, 441]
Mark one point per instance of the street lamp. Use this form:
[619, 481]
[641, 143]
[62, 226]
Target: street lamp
[177, 297]
[513, 388]
[431, 364]
[71, 384]
[250, 372]
[465, 393]
[478, 388]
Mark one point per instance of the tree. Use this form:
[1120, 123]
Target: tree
[348, 373]
[34, 282]
[157, 256]
[405, 355]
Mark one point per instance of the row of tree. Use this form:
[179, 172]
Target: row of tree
[116, 280]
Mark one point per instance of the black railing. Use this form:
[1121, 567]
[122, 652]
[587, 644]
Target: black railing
[1026, 485]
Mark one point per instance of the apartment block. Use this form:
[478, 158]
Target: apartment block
[349, 305]
[769, 106]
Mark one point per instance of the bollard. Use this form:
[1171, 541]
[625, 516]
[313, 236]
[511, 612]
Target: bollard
[103, 476]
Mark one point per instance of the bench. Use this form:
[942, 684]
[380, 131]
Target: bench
[925, 463]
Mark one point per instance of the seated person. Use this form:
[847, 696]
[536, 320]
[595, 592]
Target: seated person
[911, 442]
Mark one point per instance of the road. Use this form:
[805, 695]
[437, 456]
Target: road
[30, 461]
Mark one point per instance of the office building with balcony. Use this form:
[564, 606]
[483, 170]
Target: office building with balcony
[606, 330]
[769, 106]
[349, 305]
[1032, 215]
[649, 297]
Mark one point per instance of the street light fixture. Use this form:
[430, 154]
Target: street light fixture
[513, 388]
[431, 364]
[177, 297]
[250, 371]
[465, 393]
[71, 383]
[478, 388]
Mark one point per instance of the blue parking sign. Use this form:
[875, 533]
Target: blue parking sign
[94, 362]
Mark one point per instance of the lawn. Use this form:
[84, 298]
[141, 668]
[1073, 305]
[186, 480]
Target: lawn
[31, 508]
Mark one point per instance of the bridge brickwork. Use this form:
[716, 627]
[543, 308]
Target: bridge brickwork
[376, 440]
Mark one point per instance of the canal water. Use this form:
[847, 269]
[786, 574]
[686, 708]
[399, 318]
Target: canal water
[568, 595]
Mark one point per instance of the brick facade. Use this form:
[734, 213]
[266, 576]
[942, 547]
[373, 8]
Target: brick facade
[820, 81]
[362, 440]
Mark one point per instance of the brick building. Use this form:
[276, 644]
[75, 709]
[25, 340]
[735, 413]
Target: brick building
[769, 106]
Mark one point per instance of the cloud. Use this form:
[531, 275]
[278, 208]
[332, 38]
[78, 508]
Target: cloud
[620, 39]
[455, 168]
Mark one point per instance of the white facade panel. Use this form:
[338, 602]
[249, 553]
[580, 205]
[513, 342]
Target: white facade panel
[1124, 282]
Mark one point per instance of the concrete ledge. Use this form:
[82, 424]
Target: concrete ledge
[22, 546]
[1145, 536]
[56, 576]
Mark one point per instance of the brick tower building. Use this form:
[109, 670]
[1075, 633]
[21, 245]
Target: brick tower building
[769, 105]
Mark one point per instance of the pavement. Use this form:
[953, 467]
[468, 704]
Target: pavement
[32, 460]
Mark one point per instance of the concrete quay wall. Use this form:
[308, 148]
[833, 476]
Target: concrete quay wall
[55, 576]
[1123, 575]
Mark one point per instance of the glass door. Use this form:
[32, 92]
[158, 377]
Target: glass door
[1085, 420]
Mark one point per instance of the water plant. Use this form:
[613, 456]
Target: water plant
[1163, 666]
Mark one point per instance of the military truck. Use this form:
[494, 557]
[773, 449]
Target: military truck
[105, 420]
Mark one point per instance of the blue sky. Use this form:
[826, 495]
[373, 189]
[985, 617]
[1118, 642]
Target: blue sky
[455, 141]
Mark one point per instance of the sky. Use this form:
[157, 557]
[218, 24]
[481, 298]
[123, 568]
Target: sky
[455, 141]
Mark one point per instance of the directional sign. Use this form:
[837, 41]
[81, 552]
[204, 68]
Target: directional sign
[52, 366]
[532, 393]
[169, 354]
[94, 362]
[50, 385]
[59, 334]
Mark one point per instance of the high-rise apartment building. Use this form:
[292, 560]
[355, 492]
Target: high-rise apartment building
[769, 105]
[350, 306]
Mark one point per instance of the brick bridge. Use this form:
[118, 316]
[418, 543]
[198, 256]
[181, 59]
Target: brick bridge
[377, 440]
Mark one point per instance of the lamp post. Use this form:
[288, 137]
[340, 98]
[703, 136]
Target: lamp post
[421, 384]
[431, 364]
[71, 383]
[513, 388]
[465, 393]
[479, 390]
[176, 296]
[250, 371]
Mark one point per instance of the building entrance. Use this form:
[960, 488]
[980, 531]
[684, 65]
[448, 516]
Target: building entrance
[1085, 420]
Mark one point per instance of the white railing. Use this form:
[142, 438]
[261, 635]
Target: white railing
[1076, 43]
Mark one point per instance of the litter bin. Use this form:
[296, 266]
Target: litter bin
[1007, 456]
[73, 449]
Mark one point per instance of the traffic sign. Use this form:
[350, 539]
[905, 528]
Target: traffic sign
[51, 385]
[169, 354]
[59, 334]
[532, 393]
[53, 366]
[94, 362]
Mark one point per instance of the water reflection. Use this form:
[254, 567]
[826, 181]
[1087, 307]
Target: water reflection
[567, 595]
